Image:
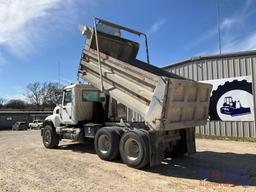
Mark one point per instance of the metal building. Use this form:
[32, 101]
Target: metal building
[8, 118]
[219, 67]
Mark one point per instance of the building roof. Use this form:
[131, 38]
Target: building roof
[199, 58]
[25, 112]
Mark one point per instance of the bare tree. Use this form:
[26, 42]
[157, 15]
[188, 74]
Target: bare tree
[54, 94]
[2, 102]
[44, 95]
[34, 94]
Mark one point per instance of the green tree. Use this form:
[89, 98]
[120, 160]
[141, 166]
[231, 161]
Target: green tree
[16, 104]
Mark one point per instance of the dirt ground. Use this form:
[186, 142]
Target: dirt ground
[25, 165]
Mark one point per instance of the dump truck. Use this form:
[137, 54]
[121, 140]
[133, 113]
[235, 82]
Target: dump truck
[170, 106]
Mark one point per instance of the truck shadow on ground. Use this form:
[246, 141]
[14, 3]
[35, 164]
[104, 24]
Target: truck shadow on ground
[212, 168]
[209, 168]
[87, 147]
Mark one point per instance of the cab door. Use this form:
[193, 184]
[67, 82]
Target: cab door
[67, 103]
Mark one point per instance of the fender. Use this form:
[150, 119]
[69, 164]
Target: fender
[47, 122]
[53, 120]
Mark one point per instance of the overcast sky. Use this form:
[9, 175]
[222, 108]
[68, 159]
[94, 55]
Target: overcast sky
[37, 35]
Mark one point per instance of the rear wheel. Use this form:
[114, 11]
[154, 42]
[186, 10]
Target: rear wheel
[50, 138]
[134, 149]
[106, 143]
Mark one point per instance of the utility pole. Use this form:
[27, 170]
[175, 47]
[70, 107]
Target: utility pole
[218, 23]
[59, 72]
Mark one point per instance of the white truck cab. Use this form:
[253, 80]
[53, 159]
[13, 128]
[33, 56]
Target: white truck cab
[78, 105]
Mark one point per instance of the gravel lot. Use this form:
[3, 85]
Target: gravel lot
[25, 165]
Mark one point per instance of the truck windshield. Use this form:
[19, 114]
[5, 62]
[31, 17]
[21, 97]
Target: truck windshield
[93, 96]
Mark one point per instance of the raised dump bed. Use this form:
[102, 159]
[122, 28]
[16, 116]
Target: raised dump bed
[166, 101]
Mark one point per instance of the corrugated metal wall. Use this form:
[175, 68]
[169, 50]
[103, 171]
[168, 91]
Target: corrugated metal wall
[133, 116]
[217, 67]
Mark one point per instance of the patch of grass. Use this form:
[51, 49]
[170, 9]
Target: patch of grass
[214, 137]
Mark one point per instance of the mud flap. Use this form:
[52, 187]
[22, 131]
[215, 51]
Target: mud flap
[190, 140]
[156, 148]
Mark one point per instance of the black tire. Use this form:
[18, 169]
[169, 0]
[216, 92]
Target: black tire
[222, 89]
[50, 138]
[134, 149]
[106, 143]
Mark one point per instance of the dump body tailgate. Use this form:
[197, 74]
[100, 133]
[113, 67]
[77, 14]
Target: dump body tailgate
[186, 104]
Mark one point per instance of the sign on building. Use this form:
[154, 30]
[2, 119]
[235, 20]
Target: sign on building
[232, 99]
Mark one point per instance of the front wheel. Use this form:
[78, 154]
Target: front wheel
[50, 138]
